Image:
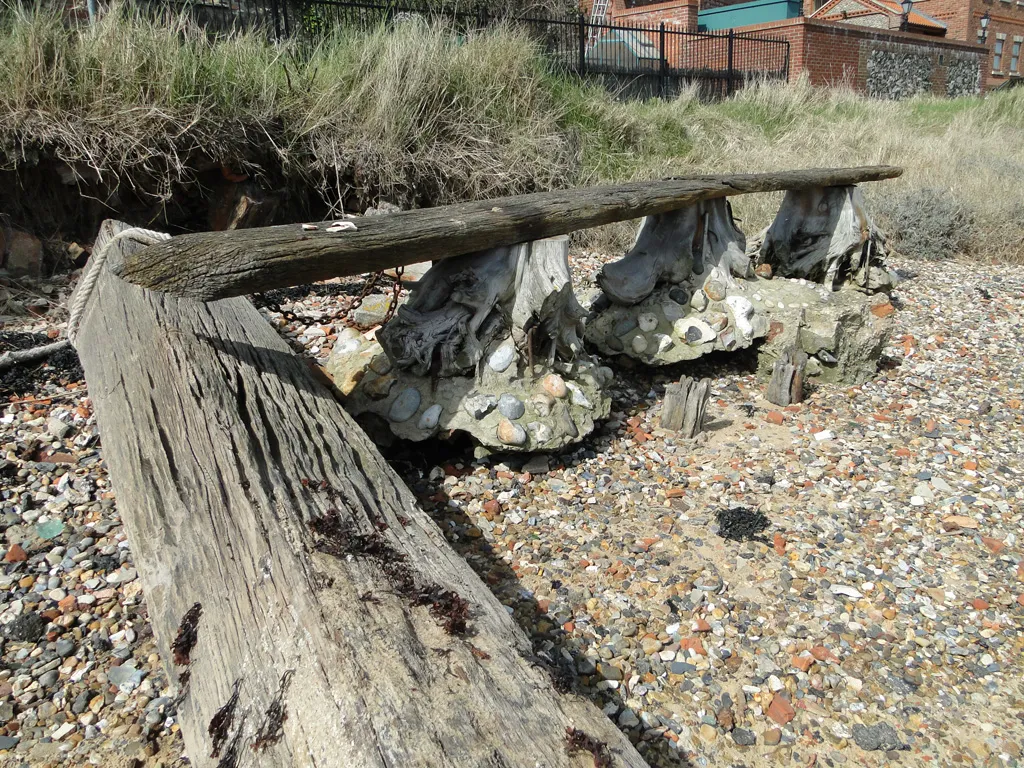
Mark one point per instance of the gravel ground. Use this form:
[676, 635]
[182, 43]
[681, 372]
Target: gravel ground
[834, 583]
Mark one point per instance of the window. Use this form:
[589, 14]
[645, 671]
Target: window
[997, 54]
[1015, 54]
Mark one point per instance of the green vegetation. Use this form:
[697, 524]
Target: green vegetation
[413, 115]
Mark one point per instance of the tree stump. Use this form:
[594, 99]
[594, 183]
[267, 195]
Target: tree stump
[825, 235]
[787, 383]
[685, 404]
[488, 344]
[308, 610]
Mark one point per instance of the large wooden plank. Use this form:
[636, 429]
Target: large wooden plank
[217, 265]
[311, 648]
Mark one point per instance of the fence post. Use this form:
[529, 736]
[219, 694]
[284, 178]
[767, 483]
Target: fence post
[728, 79]
[277, 20]
[582, 29]
[663, 69]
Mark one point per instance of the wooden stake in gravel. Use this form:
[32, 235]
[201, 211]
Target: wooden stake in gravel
[316, 614]
[685, 404]
[787, 383]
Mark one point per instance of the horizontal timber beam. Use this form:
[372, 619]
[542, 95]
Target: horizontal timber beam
[217, 265]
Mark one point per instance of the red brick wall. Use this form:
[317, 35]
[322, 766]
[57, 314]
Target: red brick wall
[680, 14]
[962, 18]
[677, 13]
[954, 13]
[1008, 22]
[837, 54]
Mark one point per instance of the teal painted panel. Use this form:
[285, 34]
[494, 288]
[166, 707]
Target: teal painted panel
[756, 12]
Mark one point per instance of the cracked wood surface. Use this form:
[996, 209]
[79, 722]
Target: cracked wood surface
[217, 439]
[217, 265]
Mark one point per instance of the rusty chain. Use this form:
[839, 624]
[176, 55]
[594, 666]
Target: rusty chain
[370, 284]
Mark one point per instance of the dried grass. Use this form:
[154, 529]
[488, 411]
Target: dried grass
[409, 114]
[415, 115]
[972, 149]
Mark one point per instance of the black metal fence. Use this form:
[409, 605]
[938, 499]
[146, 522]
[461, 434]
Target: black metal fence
[634, 59]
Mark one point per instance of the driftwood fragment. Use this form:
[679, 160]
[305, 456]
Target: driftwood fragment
[216, 265]
[685, 405]
[240, 205]
[317, 612]
[34, 355]
[786, 386]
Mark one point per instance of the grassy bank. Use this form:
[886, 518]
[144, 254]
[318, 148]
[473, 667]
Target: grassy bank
[411, 116]
[963, 189]
[414, 116]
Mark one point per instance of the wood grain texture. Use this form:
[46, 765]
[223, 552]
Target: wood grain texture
[209, 426]
[685, 406]
[786, 386]
[217, 265]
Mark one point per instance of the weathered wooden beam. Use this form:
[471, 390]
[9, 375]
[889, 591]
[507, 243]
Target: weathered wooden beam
[329, 631]
[217, 265]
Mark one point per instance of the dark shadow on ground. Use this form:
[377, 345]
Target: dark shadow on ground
[554, 648]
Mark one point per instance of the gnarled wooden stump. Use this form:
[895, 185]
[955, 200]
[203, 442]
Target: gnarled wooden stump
[489, 344]
[317, 616]
[825, 235]
[675, 295]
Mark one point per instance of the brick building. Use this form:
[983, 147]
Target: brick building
[860, 42]
[1005, 37]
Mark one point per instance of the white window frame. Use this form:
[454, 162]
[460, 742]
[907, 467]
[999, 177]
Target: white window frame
[1015, 46]
[997, 53]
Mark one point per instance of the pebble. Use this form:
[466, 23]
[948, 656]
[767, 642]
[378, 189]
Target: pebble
[714, 290]
[554, 385]
[744, 737]
[742, 313]
[510, 406]
[647, 322]
[542, 403]
[578, 396]
[693, 331]
[479, 406]
[405, 405]
[541, 432]
[876, 737]
[430, 417]
[538, 464]
[510, 433]
[679, 295]
[380, 387]
[502, 357]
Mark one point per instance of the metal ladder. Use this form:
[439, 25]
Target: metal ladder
[598, 15]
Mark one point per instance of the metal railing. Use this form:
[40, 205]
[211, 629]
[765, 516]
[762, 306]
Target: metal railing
[635, 59]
